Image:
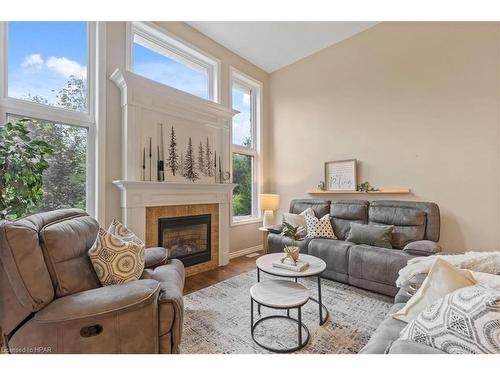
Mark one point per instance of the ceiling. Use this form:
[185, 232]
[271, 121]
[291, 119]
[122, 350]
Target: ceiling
[273, 45]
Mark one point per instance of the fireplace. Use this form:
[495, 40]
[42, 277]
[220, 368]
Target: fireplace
[187, 238]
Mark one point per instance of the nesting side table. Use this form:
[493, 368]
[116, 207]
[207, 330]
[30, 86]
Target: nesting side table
[280, 295]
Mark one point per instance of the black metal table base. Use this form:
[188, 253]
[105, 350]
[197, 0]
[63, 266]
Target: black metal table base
[323, 316]
[301, 340]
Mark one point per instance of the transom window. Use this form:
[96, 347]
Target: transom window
[47, 63]
[49, 71]
[161, 57]
[245, 95]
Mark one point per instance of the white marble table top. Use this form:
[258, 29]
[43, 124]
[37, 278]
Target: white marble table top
[280, 293]
[265, 263]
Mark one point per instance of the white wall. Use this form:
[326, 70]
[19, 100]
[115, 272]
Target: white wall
[416, 103]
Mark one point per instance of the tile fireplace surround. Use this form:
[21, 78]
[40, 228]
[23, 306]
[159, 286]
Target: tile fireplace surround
[143, 203]
[145, 104]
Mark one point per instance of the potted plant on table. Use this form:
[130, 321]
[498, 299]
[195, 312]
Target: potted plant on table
[291, 251]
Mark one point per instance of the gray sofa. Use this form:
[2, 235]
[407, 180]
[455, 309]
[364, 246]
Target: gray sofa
[364, 266]
[385, 338]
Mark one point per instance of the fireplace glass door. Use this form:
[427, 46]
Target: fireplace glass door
[186, 238]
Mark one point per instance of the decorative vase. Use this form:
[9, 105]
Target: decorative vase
[292, 253]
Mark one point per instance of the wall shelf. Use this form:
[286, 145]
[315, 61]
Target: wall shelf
[381, 191]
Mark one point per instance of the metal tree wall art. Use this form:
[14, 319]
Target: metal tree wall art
[181, 164]
[201, 160]
[173, 155]
[209, 166]
[190, 171]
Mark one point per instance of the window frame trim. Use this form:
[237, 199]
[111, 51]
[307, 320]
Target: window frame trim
[255, 151]
[174, 46]
[94, 120]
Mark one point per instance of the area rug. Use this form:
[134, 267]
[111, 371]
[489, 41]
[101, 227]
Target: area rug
[217, 319]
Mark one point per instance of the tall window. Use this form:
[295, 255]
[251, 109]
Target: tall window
[161, 57]
[49, 76]
[245, 96]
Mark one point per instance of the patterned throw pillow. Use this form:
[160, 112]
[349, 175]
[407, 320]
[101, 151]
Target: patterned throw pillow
[466, 321]
[121, 231]
[319, 228]
[116, 261]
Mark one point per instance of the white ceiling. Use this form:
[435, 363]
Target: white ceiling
[273, 45]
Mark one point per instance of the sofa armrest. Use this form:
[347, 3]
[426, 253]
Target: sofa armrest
[155, 256]
[422, 248]
[105, 300]
[409, 288]
[276, 229]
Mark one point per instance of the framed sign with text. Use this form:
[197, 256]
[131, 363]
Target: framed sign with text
[340, 175]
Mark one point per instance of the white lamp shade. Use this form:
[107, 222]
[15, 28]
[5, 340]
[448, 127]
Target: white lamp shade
[269, 202]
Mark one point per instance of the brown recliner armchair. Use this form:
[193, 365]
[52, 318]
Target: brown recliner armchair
[51, 300]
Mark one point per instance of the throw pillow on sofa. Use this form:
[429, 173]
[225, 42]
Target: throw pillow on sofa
[319, 228]
[121, 231]
[116, 261]
[465, 321]
[442, 279]
[486, 279]
[371, 234]
[298, 220]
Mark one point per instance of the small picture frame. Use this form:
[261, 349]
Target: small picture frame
[340, 175]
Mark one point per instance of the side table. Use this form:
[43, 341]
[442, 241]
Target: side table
[265, 233]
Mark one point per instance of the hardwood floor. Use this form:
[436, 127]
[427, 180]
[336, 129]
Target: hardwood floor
[235, 267]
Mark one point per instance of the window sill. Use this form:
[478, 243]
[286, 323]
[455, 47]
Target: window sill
[251, 220]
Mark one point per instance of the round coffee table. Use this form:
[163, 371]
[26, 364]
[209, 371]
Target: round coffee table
[315, 268]
[281, 295]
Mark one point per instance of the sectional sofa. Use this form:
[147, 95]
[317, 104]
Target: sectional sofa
[416, 230]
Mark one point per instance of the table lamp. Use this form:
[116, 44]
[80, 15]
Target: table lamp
[269, 203]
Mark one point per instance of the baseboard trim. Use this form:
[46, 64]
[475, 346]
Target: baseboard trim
[248, 250]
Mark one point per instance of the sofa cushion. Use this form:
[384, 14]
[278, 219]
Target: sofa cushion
[422, 248]
[333, 252]
[409, 224]
[342, 213]
[376, 263]
[277, 242]
[387, 332]
[65, 242]
[410, 347]
[371, 234]
[320, 207]
[23, 265]
[430, 211]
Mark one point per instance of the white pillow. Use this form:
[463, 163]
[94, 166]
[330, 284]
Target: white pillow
[465, 321]
[443, 278]
[487, 279]
[319, 228]
[298, 220]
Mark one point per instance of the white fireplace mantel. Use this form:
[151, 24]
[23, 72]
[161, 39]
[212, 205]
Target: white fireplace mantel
[146, 104]
[137, 195]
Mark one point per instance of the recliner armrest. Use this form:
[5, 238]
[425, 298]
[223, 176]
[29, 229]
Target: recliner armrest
[422, 248]
[155, 256]
[99, 301]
